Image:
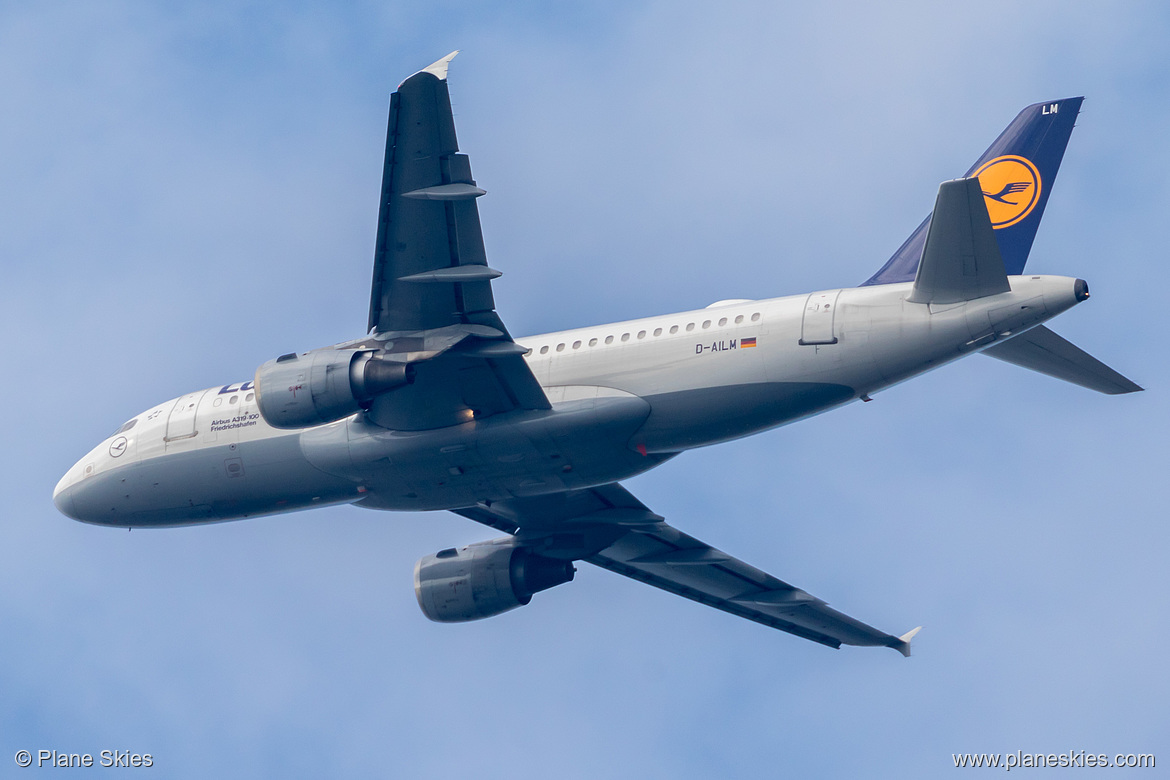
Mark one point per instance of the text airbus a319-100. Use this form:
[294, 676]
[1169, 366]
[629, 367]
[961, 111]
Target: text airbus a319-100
[438, 407]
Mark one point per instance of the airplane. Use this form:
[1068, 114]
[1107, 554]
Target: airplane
[438, 407]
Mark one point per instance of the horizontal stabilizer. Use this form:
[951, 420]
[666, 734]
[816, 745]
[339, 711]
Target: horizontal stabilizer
[961, 260]
[1042, 350]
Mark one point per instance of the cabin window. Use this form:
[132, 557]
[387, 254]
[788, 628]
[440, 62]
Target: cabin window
[625, 337]
[756, 317]
[690, 326]
[253, 395]
[217, 402]
[544, 350]
[576, 345]
[560, 347]
[706, 324]
[674, 328]
[641, 334]
[235, 399]
[739, 319]
[722, 321]
[609, 339]
[593, 342]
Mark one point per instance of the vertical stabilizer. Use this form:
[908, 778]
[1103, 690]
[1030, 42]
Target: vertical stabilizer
[1016, 174]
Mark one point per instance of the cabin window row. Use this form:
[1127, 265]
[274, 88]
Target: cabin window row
[235, 399]
[593, 342]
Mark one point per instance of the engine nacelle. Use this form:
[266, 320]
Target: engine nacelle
[297, 391]
[483, 579]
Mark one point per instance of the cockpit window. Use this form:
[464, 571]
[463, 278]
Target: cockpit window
[126, 426]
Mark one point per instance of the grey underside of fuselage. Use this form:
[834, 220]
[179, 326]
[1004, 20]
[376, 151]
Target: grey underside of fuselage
[721, 414]
[576, 445]
[213, 483]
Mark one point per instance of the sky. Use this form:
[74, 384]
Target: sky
[190, 189]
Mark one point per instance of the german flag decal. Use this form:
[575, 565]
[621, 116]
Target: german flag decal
[748, 342]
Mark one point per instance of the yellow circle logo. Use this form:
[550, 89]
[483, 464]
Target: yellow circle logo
[1011, 189]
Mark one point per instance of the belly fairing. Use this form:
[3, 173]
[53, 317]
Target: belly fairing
[580, 443]
[695, 418]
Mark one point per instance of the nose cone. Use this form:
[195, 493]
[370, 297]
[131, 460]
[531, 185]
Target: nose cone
[63, 496]
[86, 491]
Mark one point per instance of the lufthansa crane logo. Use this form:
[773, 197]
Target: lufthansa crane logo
[1011, 189]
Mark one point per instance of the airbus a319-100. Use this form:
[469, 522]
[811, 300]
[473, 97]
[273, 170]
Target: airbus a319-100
[438, 407]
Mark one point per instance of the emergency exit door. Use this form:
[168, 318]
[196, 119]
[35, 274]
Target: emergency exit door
[820, 311]
[181, 423]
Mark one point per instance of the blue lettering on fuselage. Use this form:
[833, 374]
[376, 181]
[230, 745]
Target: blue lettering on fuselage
[238, 387]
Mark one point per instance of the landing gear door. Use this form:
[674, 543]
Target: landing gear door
[820, 310]
[181, 423]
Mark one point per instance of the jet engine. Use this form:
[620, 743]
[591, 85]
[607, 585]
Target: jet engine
[297, 391]
[483, 579]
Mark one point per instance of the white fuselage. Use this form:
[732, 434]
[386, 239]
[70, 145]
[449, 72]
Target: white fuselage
[625, 397]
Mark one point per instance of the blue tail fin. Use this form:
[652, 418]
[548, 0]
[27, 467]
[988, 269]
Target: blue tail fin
[1016, 174]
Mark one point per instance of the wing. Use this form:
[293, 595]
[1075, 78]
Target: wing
[608, 527]
[431, 300]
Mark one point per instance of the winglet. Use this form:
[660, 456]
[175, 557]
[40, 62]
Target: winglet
[439, 69]
[903, 645]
